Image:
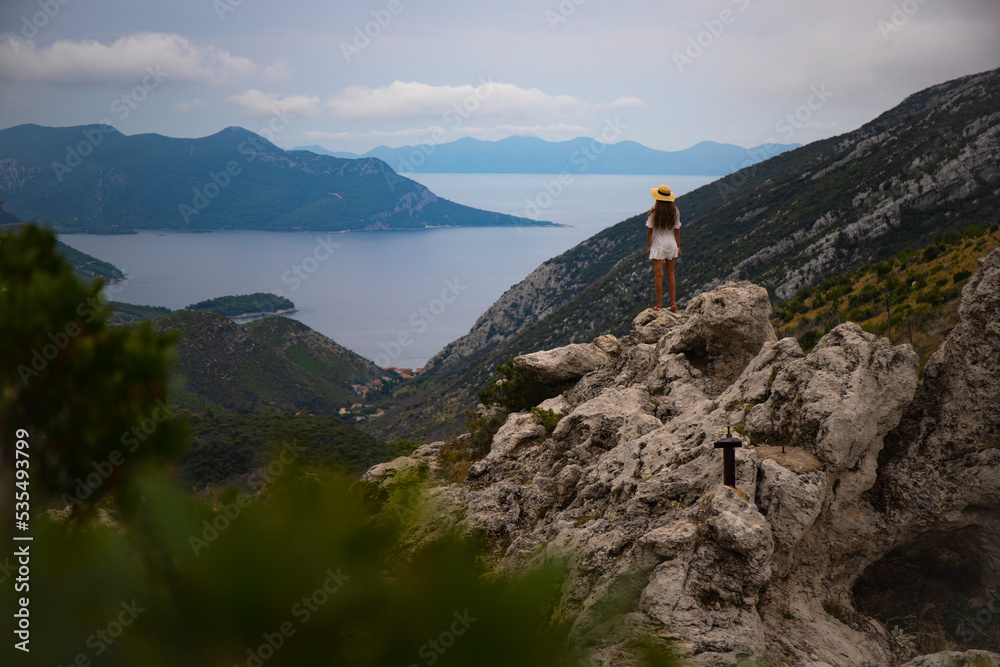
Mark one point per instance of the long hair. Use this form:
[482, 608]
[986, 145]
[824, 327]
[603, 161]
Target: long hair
[665, 214]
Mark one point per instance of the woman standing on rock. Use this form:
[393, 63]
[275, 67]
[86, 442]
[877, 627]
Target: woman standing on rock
[663, 242]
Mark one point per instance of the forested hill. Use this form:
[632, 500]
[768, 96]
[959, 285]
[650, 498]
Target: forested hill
[274, 363]
[93, 178]
[926, 167]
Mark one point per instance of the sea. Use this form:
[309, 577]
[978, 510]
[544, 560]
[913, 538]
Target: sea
[394, 297]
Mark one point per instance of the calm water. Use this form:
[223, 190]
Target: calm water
[394, 297]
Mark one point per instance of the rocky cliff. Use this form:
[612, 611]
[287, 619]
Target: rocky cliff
[852, 468]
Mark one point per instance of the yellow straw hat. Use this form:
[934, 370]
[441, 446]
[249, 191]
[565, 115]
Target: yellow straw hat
[662, 193]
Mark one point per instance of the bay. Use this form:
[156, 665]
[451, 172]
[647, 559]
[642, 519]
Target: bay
[396, 297]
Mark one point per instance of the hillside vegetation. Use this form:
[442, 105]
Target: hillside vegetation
[130, 313]
[90, 268]
[226, 447]
[273, 363]
[912, 297]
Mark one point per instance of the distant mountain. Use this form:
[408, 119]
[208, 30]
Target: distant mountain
[93, 178]
[319, 150]
[925, 168]
[274, 363]
[531, 155]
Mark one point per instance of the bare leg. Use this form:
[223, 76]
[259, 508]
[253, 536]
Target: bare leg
[671, 283]
[658, 281]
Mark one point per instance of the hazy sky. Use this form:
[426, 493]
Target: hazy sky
[352, 75]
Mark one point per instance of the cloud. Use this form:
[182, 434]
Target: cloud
[278, 72]
[414, 100]
[187, 106]
[125, 61]
[263, 104]
[870, 55]
[626, 103]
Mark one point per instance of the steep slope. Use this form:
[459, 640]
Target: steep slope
[531, 155]
[912, 297]
[929, 166]
[273, 363]
[93, 178]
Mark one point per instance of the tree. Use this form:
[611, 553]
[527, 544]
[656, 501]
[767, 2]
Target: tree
[92, 399]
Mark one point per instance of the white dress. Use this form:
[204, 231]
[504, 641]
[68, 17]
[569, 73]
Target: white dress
[664, 246]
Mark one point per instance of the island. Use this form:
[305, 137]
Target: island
[258, 304]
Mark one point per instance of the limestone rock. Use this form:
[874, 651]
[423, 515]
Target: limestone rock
[650, 325]
[724, 330]
[569, 362]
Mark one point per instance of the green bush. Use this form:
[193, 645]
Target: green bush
[547, 418]
[513, 391]
[809, 339]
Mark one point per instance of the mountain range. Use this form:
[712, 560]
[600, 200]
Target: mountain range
[531, 155]
[929, 166]
[93, 178]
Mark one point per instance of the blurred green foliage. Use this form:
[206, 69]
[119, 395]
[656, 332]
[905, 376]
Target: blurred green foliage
[309, 573]
[226, 445]
[300, 578]
[83, 390]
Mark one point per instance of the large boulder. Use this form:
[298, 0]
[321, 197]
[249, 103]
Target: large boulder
[570, 362]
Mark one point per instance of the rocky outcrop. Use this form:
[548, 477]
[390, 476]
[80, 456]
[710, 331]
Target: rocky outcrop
[847, 460]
